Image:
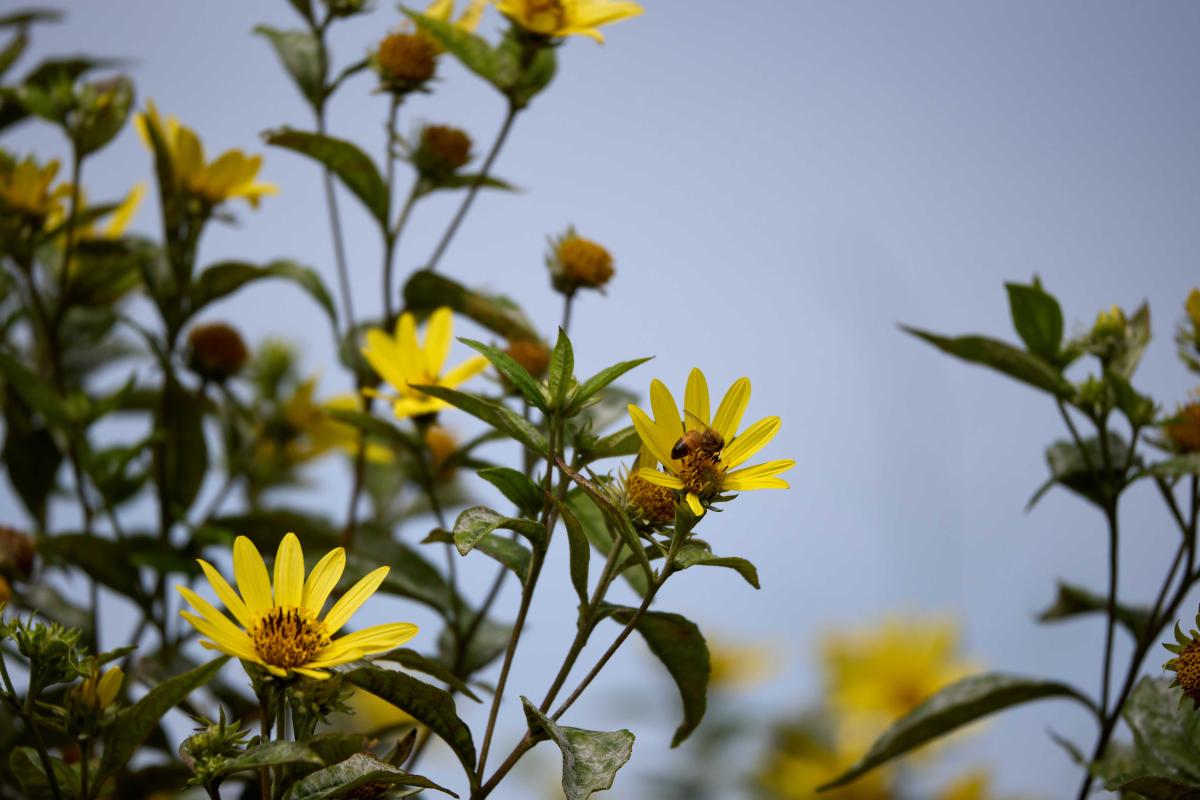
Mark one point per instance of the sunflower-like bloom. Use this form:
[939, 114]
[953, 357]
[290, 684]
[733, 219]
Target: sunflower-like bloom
[405, 363]
[554, 18]
[27, 188]
[649, 502]
[230, 176]
[1186, 664]
[704, 472]
[281, 628]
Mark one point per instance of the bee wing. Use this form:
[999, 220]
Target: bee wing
[694, 422]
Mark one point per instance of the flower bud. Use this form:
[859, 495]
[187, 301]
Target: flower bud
[1109, 324]
[16, 553]
[578, 263]
[217, 351]
[1193, 307]
[443, 150]
[442, 444]
[103, 107]
[405, 61]
[97, 692]
[531, 354]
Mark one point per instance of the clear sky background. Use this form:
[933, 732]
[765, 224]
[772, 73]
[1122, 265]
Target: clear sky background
[781, 184]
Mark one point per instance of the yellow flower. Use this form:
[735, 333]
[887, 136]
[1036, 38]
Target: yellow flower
[99, 691]
[794, 772]
[737, 666]
[25, 188]
[370, 715]
[974, 785]
[281, 627]
[230, 176]
[123, 214]
[1184, 430]
[405, 363]
[881, 673]
[705, 472]
[567, 17]
[468, 21]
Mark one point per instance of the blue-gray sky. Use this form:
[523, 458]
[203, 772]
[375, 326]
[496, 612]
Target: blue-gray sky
[781, 183]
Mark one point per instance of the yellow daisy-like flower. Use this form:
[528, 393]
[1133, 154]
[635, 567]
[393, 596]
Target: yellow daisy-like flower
[405, 363]
[230, 176]
[280, 628]
[26, 188]
[706, 471]
[118, 219]
[468, 21]
[567, 17]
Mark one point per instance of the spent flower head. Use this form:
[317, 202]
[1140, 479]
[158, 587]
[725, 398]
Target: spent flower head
[406, 363]
[441, 151]
[280, 626]
[216, 351]
[577, 263]
[1186, 664]
[702, 455]
[553, 19]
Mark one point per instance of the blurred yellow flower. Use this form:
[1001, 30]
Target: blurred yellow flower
[442, 10]
[26, 188]
[230, 176]
[738, 666]
[703, 472]
[281, 625]
[369, 715]
[405, 363]
[567, 17]
[100, 690]
[974, 785]
[795, 770]
[878, 674]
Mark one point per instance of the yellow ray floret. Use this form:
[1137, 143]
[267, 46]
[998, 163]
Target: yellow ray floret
[405, 363]
[567, 17]
[704, 474]
[231, 175]
[279, 624]
[468, 20]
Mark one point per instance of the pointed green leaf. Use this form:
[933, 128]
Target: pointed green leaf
[300, 54]
[496, 414]
[510, 553]
[26, 766]
[590, 759]
[1038, 319]
[1026, 367]
[184, 448]
[226, 277]
[411, 659]
[959, 704]
[352, 166]
[562, 370]
[360, 770]
[525, 383]
[579, 549]
[517, 487]
[266, 754]
[600, 380]
[426, 291]
[694, 554]
[472, 51]
[477, 522]
[1073, 601]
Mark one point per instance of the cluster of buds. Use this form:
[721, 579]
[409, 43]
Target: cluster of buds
[441, 151]
[88, 702]
[216, 351]
[53, 652]
[577, 263]
[206, 751]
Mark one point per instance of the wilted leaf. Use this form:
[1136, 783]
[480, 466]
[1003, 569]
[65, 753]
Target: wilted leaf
[357, 771]
[590, 758]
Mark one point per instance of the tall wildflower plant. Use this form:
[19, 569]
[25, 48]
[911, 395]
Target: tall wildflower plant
[1117, 439]
[212, 428]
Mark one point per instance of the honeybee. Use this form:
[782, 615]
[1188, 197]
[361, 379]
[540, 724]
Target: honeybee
[703, 440]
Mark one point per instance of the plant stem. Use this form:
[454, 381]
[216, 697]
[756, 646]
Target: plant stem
[85, 757]
[27, 716]
[440, 250]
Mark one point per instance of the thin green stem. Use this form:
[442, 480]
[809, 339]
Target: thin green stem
[480, 178]
[26, 714]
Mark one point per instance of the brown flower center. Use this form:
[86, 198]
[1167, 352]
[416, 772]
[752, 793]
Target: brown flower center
[1185, 432]
[656, 503]
[585, 263]
[407, 58]
[702, 474]
[288, 637]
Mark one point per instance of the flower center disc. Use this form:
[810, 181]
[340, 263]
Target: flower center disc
[702, 473]
[546, 16]
[288, 637]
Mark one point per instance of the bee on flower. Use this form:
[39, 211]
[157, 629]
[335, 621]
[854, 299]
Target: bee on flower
[279, 626]
[406, 363]
[702, 455]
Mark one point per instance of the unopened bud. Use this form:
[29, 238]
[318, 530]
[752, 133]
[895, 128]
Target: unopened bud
[531, 354]
[443, 149]
[217, 351]
[576, 263]
[405, 61]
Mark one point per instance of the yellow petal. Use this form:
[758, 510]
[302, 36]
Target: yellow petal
[695, 401]
[650, 435]
[405, 407]
[750, 441]
[322, 579]
[733, 406]
[439, 331]
[217, 642]
[463, 372]
[383, 354]
[440, 10]
[251, 575]
[469, 20]
[666, 410]
[344, 608]
[225, 635]
[760, 476]
[226, 594]
[315, 674]
[411, 360]
[592, 13]
[370, 640]
[660, 478]
[126, 211]
[695, 505]
[109, 685]
[289, 573]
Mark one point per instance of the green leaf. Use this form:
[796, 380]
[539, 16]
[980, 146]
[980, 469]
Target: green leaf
[681, 648]
[525, 383]
[226, 277]
[488, 643]
[31, 460]
[26, 766]
[590, 758]
[352, 166]
[359, 770]
[695, 554]
[1166, 738]
[135, 723]
[477, 522]
[411, 575]
[624, 442]
[508, 552]
[517, 487]
[496, 414]
[432, 707]
[1082, 471]
[615, 519]
[580, 551]
[411, 659]
[100, 113]
[104, 560]
[958, 704]
[12, 51]
[1155, 788]
[534, 78]
[182, 457]
[29, 16]
[266, 754]
[562, 370]
[1026, 367]
[1137, 338]
[1073, 601]
[1188, 464]
[600, 380]
[596, 528]
[1038, 319]
[35, 392]
[427, 291]
[300, 53]
[472, 51]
